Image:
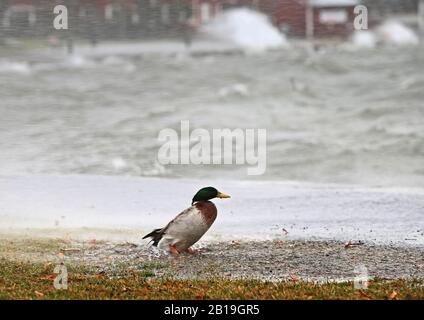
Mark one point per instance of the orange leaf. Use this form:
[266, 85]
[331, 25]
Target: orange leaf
[49, 277]
[348, 244]
[393, 295]
[39, 294]
[294, 278]
[363, 294]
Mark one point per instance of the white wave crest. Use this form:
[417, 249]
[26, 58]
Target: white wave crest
[14, 67]
[393, 32]
[245, 28]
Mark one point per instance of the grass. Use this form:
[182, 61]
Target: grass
[33, 280]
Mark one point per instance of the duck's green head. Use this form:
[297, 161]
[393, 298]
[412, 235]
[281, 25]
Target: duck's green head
[208, 193]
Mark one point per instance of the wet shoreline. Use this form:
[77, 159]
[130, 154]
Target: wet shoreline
[126, 208]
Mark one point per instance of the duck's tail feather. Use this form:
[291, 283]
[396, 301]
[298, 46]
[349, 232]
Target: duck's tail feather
[156, 235]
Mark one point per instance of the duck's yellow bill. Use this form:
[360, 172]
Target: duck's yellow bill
[222, 195]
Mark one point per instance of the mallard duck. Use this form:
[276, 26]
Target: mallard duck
[190, 225]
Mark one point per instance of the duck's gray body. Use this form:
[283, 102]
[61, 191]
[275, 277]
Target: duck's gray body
[186, 228]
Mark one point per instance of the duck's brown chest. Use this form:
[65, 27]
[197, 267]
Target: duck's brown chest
[208, 211]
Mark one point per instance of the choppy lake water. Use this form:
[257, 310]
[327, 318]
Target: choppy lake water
[338, 115]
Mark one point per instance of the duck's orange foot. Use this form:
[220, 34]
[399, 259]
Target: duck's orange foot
[190, 250]
[173, 250]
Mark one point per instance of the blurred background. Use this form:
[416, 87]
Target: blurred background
[339, 105]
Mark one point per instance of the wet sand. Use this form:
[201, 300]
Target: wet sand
[265, 260]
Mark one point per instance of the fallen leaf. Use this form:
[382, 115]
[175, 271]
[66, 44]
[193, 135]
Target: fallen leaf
[348, 244]
[393, 295]
[294, 278]
[70, 249]
[49, 277]
[39, 294]
[279, 243]
[351, 244]
[363, 294]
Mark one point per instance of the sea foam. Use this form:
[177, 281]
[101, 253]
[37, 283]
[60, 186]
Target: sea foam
[246, 28]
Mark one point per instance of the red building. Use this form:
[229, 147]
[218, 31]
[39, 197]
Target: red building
[333, 17]
[204, 10]
[138, 18]
[318, 18]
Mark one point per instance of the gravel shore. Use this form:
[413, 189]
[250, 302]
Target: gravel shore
[265, 260]
[278, 260]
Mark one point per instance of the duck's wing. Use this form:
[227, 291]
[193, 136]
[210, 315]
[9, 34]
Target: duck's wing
[185, 230]
[157, 234]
